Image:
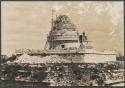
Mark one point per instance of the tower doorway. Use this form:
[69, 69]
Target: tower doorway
[63, 46]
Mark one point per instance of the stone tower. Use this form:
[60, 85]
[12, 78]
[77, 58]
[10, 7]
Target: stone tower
[63, 34]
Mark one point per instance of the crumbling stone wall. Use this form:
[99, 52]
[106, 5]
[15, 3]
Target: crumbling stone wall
[63, 24]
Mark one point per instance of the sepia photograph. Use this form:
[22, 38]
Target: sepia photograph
[62, 43]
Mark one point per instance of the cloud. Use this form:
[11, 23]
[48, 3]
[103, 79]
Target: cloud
[44, 10]
[112, 32]
[80, 12]
[69, 12]
[68, 4]
[98, 10]
[81, 4]
[115, 10]
[57, 7]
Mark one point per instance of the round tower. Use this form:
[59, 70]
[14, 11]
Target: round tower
[63, 34]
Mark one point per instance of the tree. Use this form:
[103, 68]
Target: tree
[120, 57]
[39, 75]
[12, 58]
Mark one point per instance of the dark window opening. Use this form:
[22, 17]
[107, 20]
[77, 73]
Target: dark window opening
[63, 46]
[80, 38]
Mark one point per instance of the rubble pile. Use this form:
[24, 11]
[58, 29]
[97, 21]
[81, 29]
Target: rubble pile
[35, 59]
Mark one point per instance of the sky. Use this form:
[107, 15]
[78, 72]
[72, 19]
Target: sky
[26, 24]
